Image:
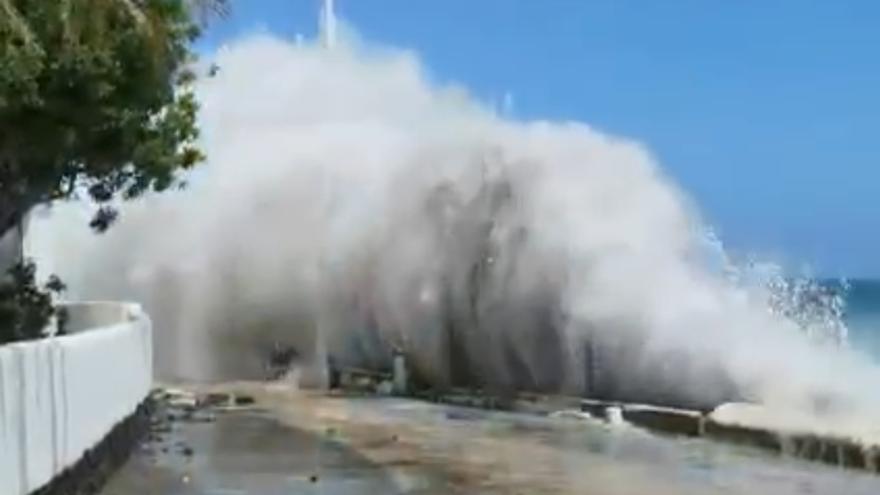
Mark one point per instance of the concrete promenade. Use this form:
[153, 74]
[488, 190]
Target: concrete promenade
[289, 442]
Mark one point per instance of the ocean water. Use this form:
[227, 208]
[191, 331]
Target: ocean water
[862, 313]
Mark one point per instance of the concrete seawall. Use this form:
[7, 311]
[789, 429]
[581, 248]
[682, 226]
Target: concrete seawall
[827, 446]
[60, 397]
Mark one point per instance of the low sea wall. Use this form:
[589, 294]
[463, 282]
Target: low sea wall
[727, 423]
[61, 396]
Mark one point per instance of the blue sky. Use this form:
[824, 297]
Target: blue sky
[766, 111]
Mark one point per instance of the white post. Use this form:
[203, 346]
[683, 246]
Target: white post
[327, 24]
[400, 378]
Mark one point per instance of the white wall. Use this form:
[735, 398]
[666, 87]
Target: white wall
[59, 397]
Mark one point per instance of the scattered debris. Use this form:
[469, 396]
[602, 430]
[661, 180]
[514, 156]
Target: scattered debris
[215, 399]
[179, 399]
[199, 417]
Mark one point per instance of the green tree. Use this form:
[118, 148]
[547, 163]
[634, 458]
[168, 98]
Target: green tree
[94, 97]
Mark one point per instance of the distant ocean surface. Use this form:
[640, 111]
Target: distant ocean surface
[862, 314]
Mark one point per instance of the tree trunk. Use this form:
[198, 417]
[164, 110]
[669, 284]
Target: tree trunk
[11, 247]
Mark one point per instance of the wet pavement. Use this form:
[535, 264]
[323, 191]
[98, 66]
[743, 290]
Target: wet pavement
[291, 443]
[247, 453]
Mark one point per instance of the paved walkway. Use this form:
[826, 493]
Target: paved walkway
[300, 443]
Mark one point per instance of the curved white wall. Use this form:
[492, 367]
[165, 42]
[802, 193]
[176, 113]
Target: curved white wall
[60, 397]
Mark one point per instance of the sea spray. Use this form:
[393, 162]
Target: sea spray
[350, 205]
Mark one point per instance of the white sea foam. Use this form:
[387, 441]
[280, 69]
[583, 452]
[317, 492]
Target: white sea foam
[348, 197]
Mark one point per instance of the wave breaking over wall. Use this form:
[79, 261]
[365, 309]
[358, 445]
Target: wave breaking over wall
[351, 205]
